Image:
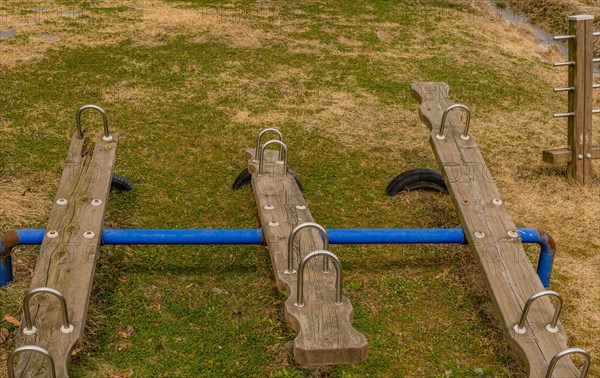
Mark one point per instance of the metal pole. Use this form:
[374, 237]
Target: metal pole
[336, 236]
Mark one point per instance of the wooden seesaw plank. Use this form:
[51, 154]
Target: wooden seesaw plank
[508, 274]
[325, 332]
[67, 263]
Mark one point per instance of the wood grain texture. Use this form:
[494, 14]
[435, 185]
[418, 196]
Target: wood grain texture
[508, 274]
[325, 332]
[580, 100]
[67, 263]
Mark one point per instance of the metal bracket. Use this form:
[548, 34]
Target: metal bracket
[283, 147]
[565, 352]
[30, 348]
[259, 139]
[290, 269]
[338, 280]
[550, 327]
[80, 131]
[29, 327]
[465, 135]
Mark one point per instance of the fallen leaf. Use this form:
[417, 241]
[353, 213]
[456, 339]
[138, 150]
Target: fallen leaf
[12, 320]
[3, 335]
[123, 334]
[129, 330]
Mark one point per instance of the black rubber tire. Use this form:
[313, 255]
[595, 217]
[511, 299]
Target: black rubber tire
[417, 179]
[242, 179]
[245, 177]
[121, 183]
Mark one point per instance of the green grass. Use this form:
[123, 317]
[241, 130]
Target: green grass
[214, 310]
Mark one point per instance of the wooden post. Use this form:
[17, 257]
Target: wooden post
[580, 100]
[580, 152]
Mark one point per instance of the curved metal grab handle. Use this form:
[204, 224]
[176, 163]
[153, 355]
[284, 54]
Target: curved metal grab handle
[283, 147]
[107, 136]
[565, 352]
[290, 269]
[465, 135]
[259, 139]
[29, 348]
[551, 327]
[338, 279]
[29, 328]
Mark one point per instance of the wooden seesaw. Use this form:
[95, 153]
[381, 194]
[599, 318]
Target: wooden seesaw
[305, 270]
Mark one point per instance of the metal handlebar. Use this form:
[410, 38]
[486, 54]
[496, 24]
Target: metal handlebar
[259, 139]
[338, 269]
[568, 351]
[465, 135]
[80, 131]
[283, 147]
[290, 269]
[551, 327]
[29, 327]
[29, 348]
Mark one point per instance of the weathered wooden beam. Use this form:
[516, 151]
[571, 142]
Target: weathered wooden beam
[580, 100]
[67, 260]
[564, 155]
[507, 272]
[325, 332]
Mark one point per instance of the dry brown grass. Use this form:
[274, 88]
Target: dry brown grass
[146, 22]
[21, 205]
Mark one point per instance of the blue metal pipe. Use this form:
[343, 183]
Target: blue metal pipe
[6, 272]
[336, 236]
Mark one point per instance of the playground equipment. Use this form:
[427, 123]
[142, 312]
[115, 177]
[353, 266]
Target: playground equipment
[315, 306]
[580, 152]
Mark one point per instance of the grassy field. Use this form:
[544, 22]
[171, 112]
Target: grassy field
[188, 84]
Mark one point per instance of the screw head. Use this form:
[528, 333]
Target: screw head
[96, 202]
[580, 156]
[273, 224]
[89, 234]
[268, 207]
[588, 155]
[479, 234]
[62, 201]
[497, 201]
[300, 207]
[52, 234]
[513, 233]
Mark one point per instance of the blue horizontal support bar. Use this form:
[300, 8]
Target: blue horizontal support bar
[254, 236]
